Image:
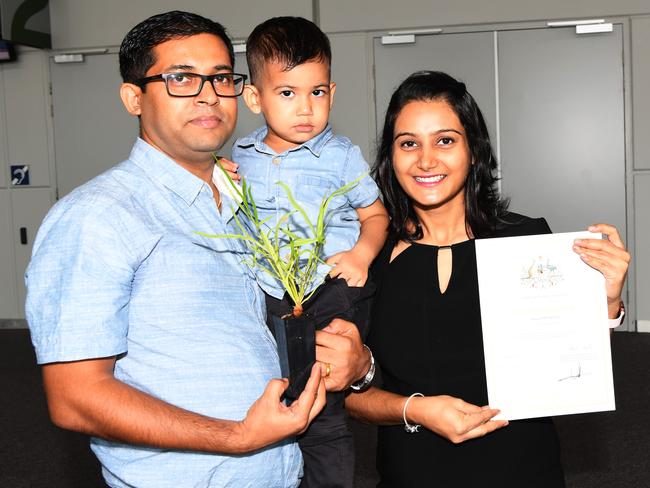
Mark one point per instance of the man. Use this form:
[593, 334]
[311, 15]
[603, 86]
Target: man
[152, 338]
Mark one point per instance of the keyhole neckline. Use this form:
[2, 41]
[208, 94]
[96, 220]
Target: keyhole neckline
[447, 246]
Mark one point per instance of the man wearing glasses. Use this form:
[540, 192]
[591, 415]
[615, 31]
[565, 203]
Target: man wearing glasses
[153, 338]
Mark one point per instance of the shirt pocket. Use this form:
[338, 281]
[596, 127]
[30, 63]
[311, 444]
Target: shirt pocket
[312, 190]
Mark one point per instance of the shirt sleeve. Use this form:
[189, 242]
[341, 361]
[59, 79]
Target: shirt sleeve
[79, 284]
[366, 191]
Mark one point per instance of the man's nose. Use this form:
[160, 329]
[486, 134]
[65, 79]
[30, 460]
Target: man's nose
[208, 94]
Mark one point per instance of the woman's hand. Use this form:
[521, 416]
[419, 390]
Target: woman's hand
[453, 418]
[608, 256]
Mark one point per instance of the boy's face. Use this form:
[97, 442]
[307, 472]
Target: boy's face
[295, 103]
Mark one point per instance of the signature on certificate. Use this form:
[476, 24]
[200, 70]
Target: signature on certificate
[574, 373]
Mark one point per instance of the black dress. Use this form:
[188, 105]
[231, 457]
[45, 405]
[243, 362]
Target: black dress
[429, 342]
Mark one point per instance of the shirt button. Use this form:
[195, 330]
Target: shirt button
[277, 161]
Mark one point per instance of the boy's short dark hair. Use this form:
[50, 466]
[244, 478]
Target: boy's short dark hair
[291, 41]
[136, 51]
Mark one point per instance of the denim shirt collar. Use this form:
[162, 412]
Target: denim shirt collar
[314, 145]
[160, 167]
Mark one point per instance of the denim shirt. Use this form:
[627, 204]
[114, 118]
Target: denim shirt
[118, 270]
[312, 171]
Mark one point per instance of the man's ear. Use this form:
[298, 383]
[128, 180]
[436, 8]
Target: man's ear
[252, 98]
[332, 91]
[131, 96]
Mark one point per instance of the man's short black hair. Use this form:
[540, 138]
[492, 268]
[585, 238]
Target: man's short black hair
[290, 41]
[136, 51]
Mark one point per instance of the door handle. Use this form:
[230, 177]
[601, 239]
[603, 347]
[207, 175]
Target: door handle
[23, 235]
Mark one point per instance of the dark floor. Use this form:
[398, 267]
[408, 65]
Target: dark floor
[603, 450]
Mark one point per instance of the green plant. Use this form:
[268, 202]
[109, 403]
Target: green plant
[277, 249]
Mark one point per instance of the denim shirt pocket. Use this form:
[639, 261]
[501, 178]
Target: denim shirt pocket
[311, 189]
[314, 189]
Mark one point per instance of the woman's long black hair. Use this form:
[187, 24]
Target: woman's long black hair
[483, 205]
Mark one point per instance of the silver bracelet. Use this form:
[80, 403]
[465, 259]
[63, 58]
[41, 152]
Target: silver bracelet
[411, 429]
[613, 323]
[367, 379]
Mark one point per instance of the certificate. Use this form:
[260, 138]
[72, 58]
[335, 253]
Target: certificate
[545, 327]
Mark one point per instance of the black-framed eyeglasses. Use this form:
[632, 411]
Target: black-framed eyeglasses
[190, 84]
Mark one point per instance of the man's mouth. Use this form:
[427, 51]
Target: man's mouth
[206, 121]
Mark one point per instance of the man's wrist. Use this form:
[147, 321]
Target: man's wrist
[239, 440]
[364, 382]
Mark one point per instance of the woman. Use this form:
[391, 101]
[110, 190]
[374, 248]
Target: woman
[435, 167]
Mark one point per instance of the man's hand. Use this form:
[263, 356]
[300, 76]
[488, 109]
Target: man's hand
[350, 266]
[453, 418]
[85, 397]
[339, 345]
[269, 420]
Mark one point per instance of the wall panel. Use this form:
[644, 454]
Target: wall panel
[84, 23]
[27, 114]
[345, 15]
[641, 260]
[641, 91]
[4, 167]
[8, 292]
[353, 109]
[29, 209]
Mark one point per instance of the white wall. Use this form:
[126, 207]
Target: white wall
[93, 23]
[351, 15]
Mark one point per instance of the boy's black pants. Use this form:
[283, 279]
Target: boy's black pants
[326, 445]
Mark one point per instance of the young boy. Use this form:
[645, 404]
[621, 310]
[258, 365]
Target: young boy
[289, 63]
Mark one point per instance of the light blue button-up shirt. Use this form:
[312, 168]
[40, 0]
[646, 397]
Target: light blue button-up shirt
[117, 270]
[312, 171]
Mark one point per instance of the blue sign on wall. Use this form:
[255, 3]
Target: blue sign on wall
[20, 175]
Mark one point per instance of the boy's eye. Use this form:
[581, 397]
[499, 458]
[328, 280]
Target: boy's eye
[318, 92]
[286, 93]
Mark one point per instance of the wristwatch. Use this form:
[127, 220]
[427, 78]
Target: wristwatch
[364, 382]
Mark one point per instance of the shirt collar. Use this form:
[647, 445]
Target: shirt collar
[226, 190]
[160, 167]
[314, 145]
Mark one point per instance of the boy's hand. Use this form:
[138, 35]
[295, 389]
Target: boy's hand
[349, 266]
[231, 168]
